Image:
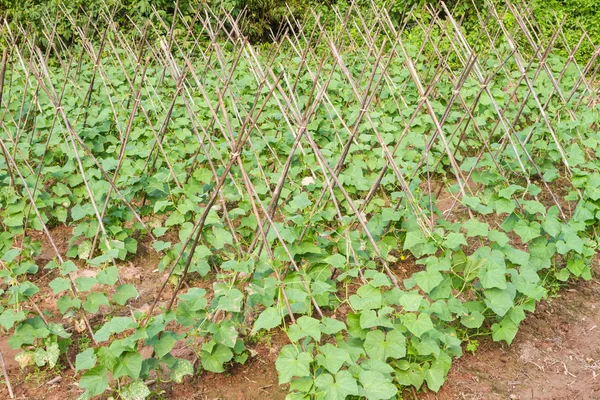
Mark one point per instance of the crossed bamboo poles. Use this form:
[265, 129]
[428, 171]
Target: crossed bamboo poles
[204, 62]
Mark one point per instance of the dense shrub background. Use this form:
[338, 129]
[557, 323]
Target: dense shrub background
[262, 17]
[586, 14]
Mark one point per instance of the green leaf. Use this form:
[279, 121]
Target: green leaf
[123, 293]
[504, 206]
[181, 368]
[108, 276]
[202, 252]
[136, 390]
[185, 231]
[372, 318]
[516, 256]
[186, 316]
[213, 360]
[527, 231]
[225, 333]
[66, 302]
[166, 342]
[412, 374]
[552, 226]
[476, 228]
[120, 324]
[299, 202]
[175, 219]
[231, 300]
[499, 237]
[331, 326]
[533, 207]
[551, 174]
[9, 317]
[493, 275]
[509, 191]
[305, 326]
[354, 329]
[221, 238]
[413, 238]
[93, 302]
[454, 240]
[472, 268]
[418, 325]
[576, 266]
[343, 386]
[160, 205]
[159, 231]
[410, 301]
[159, 245]
[375, 386]
[366, 298]
[115, 325]
[499, 300]
[562, 275]
[336, 260]
[94, 381]
[380, 346]
[291, 362]
[10, 255]
[268, 319]
[200, 266]
[426, 346]
[428, 280]
[435, 376]
[14, 220]
[573, 242]
[85, 360]
[79, 212]
[129, 364]
[473, 320]
[85, 283]
[506, 330]
[332, 358]
[195, 297]
[131, 245]
[59, 285]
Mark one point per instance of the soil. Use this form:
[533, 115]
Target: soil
[555, 355]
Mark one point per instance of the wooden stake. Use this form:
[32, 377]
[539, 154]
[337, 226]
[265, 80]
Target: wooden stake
[10, 391]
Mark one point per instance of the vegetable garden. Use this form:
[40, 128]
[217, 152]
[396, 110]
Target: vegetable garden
[384, 193]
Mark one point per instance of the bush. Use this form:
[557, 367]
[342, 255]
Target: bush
[36, 13]
[580, 14]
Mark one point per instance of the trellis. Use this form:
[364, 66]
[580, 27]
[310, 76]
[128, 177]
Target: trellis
[198, 73]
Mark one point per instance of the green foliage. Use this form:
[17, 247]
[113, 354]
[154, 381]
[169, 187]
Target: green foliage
[476, 272]
[264, 19]
[580, 16]
[33, 12]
